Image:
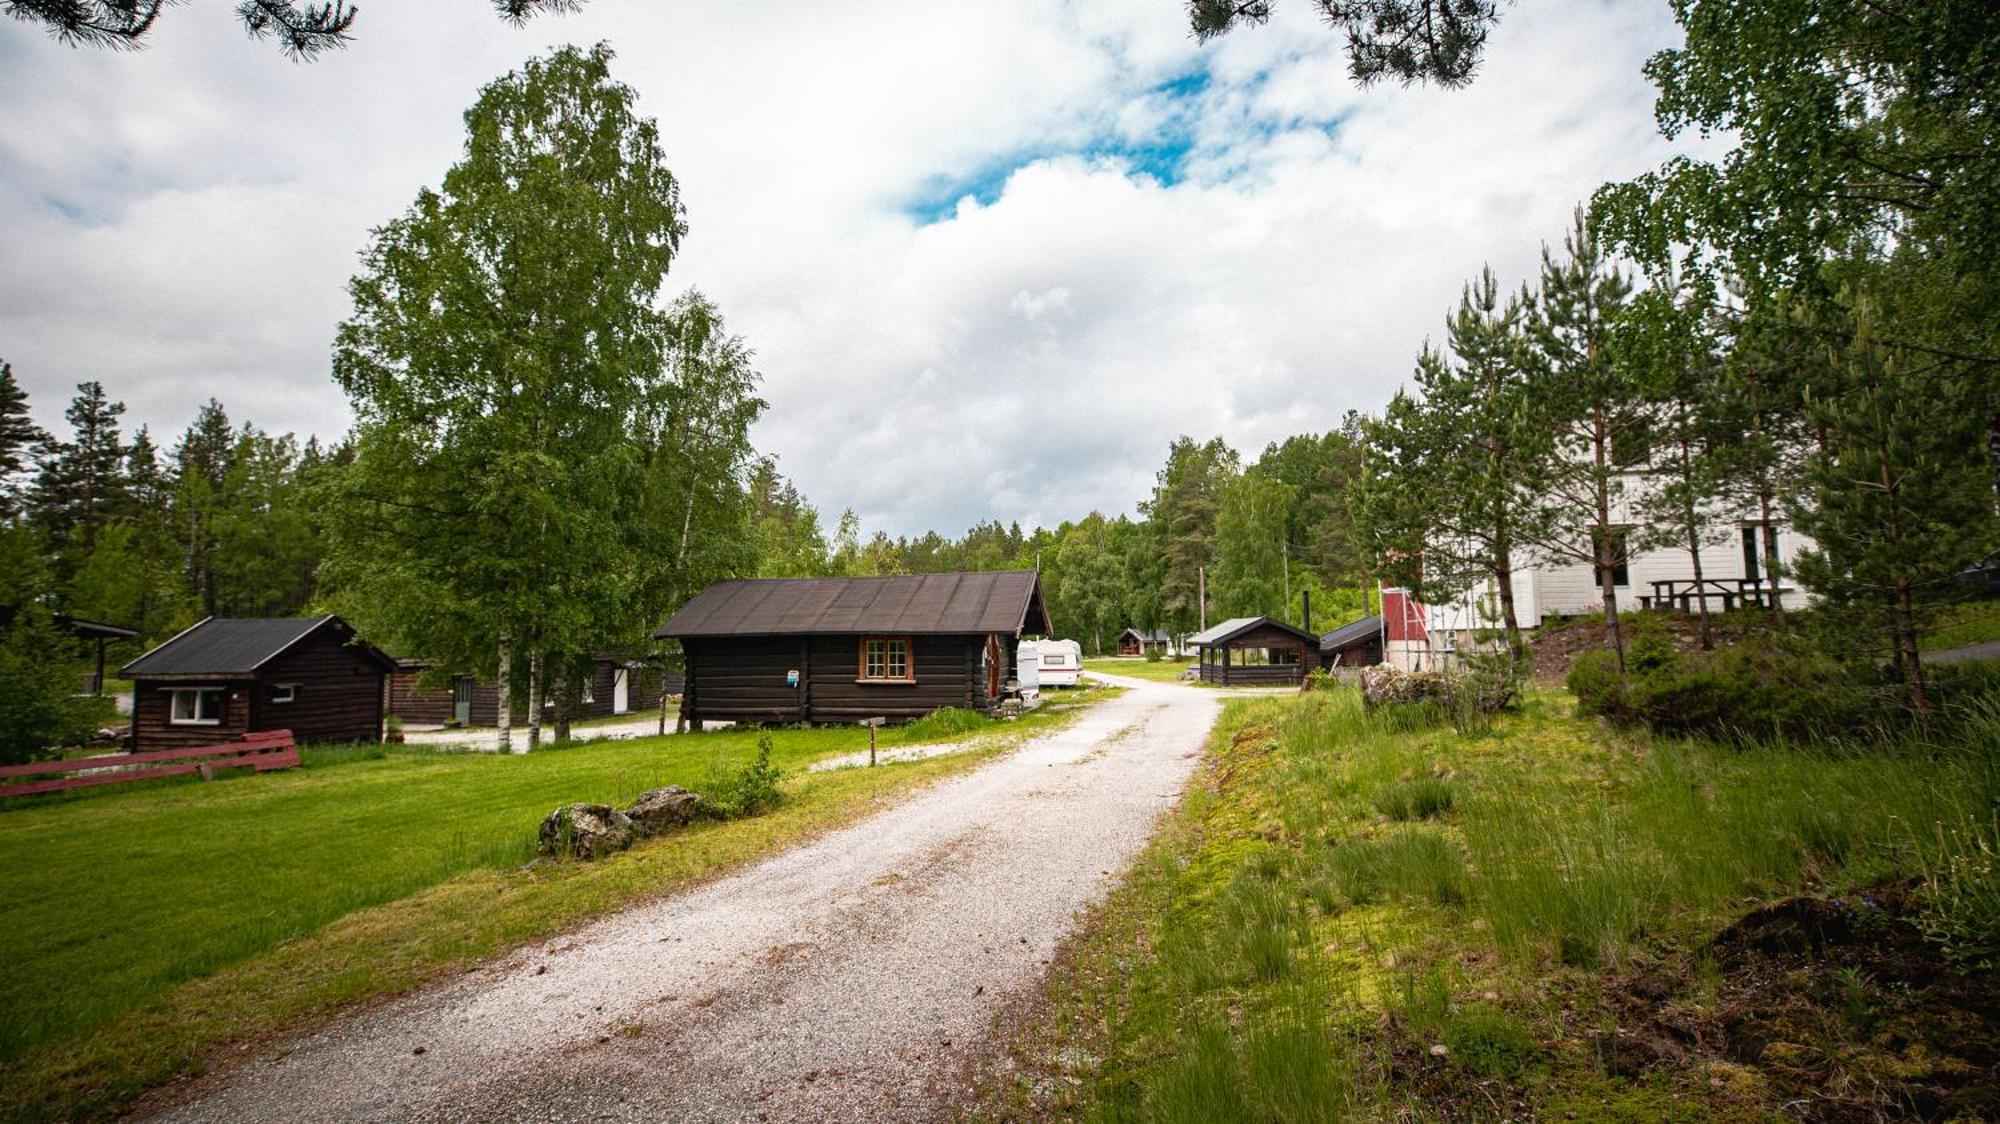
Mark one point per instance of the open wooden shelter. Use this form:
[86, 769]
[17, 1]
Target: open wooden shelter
[1255, 652]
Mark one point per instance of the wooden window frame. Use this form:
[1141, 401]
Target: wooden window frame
[173, 705]
[909, 675]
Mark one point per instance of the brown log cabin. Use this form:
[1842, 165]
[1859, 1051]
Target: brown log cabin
[225, 677]
[826, 650]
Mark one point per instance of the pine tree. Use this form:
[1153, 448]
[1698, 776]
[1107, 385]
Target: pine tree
[1462, 463]
[1664, 339]
[21, 440]
[1587, 397]
[81, 486]
[202, 462]
[1901, 489]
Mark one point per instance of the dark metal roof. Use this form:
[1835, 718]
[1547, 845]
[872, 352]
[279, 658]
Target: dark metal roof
[94, 630]
[1008, 601]
[237, 647]
[1366, 628]
[1216, 635]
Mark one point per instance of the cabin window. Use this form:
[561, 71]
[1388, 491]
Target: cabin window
[197, 706]
[886, 659]
[284, 692]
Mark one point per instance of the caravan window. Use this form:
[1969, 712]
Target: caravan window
[1053, 659]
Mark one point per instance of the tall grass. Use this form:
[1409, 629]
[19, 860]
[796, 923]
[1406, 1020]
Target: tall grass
[1697, 825]
[1304, 916]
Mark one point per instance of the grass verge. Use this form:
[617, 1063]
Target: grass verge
[148, 928]
[1349, 917]
[1157, 671]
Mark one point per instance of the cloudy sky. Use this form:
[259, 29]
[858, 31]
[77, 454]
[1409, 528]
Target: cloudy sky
[992, 256]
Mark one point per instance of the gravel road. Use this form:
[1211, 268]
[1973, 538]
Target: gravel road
[852, 979]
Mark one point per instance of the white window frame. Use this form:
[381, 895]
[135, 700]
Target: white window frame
[284, 692]
[194, 718]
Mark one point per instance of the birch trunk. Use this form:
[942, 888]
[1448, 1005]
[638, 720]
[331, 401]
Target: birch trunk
[534, 701]
[502, 679]
[1605, 552]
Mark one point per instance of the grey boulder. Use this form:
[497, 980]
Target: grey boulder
[658, 809]
[586, 831]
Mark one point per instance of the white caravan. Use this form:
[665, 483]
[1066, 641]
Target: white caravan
[1049, 663]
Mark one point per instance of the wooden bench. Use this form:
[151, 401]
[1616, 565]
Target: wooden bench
[261, 750]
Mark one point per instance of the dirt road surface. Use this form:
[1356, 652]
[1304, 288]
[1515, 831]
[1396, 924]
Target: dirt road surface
[852, 979]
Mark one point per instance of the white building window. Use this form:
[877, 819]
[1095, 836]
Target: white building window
[196, 706]
[284, 692]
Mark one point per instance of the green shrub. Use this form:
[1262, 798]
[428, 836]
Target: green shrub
[1153, 654]
[751, 790]
[1597, 684]
[39, 710]
[1769, 685]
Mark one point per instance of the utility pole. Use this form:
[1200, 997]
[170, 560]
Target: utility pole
[1201, 596]
[1285, 567]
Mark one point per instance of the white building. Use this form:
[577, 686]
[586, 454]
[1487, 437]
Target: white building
[1733, 574]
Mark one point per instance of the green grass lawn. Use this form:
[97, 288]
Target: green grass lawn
[1160, 671]
[142, 926]
[1972, 623]
[1354, 916]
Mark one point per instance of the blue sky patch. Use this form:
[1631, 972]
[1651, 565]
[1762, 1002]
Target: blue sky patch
[1161, 157]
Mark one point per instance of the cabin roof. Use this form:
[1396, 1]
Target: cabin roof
[1006, 601]
[1147, 635]
[1351, 633]
[1228, 630]
[238, 646]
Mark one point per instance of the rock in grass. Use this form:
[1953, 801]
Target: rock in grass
[585, 831]
[658, 809]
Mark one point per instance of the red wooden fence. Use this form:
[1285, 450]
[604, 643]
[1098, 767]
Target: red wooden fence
[261, 750]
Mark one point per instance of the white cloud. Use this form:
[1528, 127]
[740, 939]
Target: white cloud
[181, 222]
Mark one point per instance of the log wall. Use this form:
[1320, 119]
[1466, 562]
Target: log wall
[743, 679]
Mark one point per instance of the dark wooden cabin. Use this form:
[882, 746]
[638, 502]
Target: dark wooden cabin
[1358, 644]
[617, 686]
[785, 650]
[224, 678]
[1255, 652]
[1137, 642]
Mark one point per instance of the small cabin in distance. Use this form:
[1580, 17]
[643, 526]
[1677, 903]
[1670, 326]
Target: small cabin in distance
[1255, 652]
[1137, 642]
[784, 650]
[1357, 644]
[225, 677]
